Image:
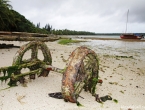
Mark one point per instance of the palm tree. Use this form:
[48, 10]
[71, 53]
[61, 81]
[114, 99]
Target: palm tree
[5, 2]
[6, 15]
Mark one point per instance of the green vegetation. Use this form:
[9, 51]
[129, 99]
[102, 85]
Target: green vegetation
[71, 32]
[116, 101]
[92, 85]
[79, 104]
[10, 20]
[68, 41]
[9, 70]
[6, 16]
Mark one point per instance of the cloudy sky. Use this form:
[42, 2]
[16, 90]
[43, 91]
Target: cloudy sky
[100, 16]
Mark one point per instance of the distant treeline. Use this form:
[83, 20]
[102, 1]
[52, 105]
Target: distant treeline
[11, 20]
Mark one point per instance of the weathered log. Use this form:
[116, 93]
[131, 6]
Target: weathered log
[18, 38]
[5, 33]
[24, 34]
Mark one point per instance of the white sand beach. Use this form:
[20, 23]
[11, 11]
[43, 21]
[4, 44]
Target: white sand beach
[123, 79]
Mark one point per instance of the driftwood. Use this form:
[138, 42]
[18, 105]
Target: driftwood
[17, 38]
[24, 36]
[3, 46]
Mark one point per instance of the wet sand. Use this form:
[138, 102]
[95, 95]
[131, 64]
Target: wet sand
[123, 79]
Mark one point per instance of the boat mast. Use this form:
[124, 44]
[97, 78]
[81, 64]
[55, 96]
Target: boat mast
[127, 20]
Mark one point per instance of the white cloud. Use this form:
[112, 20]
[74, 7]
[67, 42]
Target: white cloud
[84, 15]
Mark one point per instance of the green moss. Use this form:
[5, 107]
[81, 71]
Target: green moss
[4, 71]
[8, 70]
[63, 70]
[12, 69]
[4, 78]
[12, 83]
[116, 101]
[79, 104]
[92, 85]
[94, 82]
[68, 41]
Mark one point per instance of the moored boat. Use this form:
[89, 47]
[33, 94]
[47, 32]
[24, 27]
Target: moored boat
[128, 35]
[131, 36]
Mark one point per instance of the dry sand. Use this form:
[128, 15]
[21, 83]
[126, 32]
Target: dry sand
[123, 79]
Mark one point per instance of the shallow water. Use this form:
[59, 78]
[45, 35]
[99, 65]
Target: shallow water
[100, 36]
[117, 47]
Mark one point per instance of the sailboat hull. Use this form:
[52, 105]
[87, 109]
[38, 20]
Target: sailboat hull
[130, 36]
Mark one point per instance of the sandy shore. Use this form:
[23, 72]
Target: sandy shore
[123, 79]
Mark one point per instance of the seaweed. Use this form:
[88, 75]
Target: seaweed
[122, 92]
[115, 100]
[123, 56]
[9, 70]
[12, 69]
[92, 85]
[79, 104]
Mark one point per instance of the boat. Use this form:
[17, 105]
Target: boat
[130, 35]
